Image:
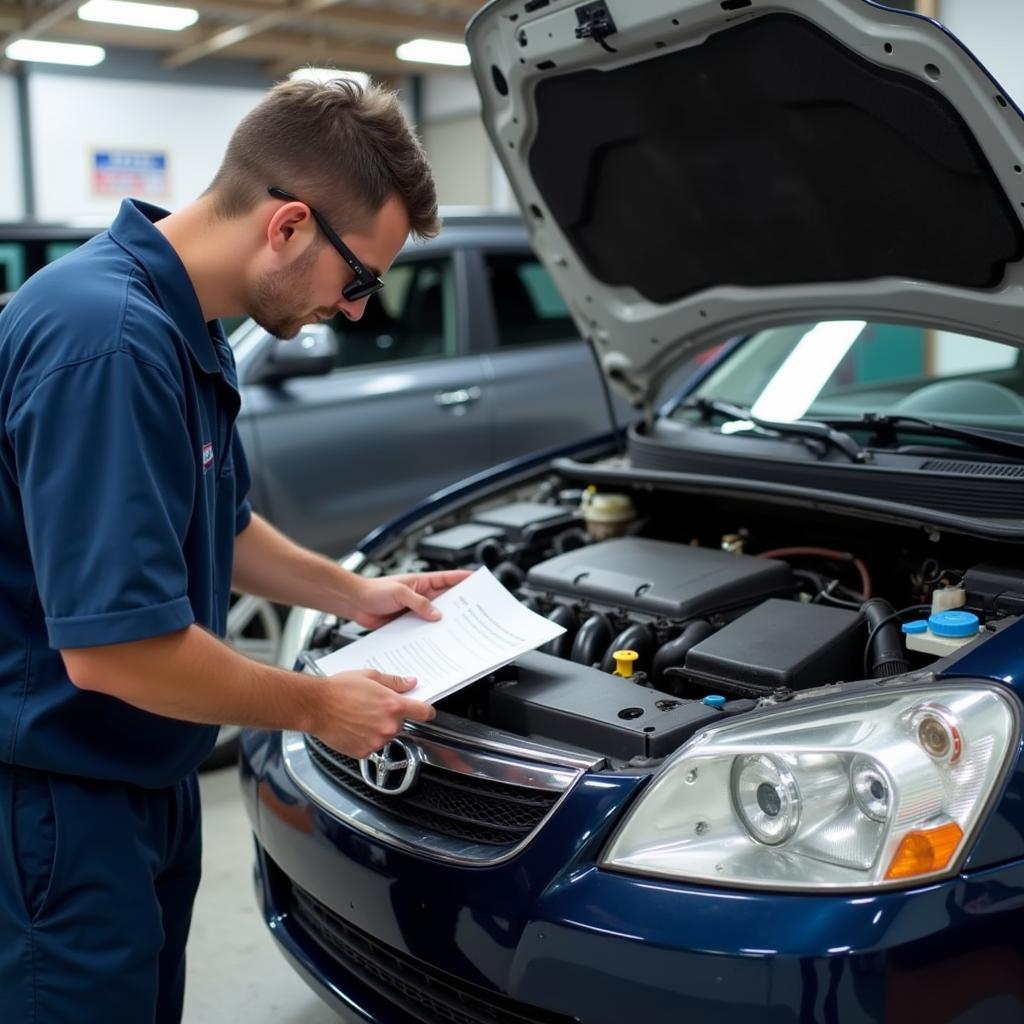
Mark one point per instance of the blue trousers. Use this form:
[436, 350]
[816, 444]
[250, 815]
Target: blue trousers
[97, 881]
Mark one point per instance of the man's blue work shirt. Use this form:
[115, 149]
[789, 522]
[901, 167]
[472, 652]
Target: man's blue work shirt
[122, 487]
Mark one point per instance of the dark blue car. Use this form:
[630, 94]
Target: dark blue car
[799, 796]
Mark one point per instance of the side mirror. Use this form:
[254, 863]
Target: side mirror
[313, 352]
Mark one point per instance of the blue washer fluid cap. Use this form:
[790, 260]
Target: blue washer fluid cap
[714, 701]
[953, 623]
[916, 626]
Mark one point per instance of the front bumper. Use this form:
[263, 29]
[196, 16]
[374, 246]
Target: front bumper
[391, 937]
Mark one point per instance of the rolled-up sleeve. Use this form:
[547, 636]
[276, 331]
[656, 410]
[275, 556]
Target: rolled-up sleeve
[107, 477]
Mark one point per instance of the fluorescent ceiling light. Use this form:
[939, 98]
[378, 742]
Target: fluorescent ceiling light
[119, 12]
[55, 53]
[321, 75]
[434, 51]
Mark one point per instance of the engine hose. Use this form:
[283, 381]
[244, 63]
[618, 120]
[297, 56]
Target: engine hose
[593, 637]
[886, 654]
[673, 653]
[509, 575]
[570, 540]
[561, 646]
[639, 638]
[828, 553]
[488, 552]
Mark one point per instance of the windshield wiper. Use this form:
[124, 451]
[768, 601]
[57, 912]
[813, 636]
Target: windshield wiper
[811, 430]
[886, 427]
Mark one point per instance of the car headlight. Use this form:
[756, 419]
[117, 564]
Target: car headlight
[879, 789]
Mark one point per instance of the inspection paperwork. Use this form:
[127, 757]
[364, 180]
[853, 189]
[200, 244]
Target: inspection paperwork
[482, 627]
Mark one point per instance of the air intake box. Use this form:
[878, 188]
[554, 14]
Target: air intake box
[661, 578]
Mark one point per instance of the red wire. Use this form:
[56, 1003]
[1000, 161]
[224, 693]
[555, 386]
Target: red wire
[842, 556]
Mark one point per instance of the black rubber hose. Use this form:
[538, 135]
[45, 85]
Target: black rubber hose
[885, 652]
[594, 636]
[509, 575]
[570, 540]
[674, 651]
[639, 638]
[561, 646]
[488, 552]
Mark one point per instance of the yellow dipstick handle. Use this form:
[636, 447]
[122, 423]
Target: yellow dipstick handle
[624, 662]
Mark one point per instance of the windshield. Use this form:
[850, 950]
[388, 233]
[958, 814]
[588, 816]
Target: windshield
[844, 368]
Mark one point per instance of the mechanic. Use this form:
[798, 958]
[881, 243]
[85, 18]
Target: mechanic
[125, 524]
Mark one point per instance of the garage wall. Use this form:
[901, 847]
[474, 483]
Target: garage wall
[992, 30]
[465, 167]
[72, 116]
[460, 156]
[10, 152]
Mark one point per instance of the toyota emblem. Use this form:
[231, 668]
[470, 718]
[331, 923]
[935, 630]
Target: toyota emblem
[392, 769]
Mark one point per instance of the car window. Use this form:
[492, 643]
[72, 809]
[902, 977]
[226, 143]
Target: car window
[20, 258]
[12, 266]
[847, 367]
[413, 317]
[527, 305]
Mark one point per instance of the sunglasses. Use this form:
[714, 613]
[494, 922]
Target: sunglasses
[366, 282]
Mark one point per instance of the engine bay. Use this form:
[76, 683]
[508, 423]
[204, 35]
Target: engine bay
[680, 612]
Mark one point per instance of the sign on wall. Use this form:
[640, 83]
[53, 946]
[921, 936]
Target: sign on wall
[129, 172]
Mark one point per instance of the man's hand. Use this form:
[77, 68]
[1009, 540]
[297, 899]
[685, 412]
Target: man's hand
[358, 712]
[384, 598]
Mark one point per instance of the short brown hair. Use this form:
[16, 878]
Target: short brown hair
[339, 146]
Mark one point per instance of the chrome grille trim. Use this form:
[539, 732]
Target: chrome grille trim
[464, 735]
[489, 766]
[371, 821]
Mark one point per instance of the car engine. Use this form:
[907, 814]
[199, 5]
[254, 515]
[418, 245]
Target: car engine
[663, 637]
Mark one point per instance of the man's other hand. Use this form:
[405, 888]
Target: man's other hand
[384, 598]
[358, 712]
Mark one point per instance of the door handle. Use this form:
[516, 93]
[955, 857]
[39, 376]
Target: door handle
[462, 396]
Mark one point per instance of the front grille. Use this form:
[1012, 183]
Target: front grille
[447, 803]
[426, 994]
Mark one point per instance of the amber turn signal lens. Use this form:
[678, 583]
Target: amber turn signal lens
[923, 852]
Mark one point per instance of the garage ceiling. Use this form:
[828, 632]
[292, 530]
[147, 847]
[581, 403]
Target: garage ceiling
[354, 34]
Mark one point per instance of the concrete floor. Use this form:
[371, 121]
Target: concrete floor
[235, 972]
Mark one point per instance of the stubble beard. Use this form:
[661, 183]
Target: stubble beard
[274, 305]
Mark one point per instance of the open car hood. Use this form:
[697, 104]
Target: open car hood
[694, 170]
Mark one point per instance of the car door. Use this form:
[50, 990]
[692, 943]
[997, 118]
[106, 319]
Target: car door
[546, 385]
[403, 413]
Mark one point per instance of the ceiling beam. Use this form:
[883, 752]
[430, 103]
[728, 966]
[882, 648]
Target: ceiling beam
[351, 19]
[355, 58]
[34, 29]
[292, 47]
[230, 37]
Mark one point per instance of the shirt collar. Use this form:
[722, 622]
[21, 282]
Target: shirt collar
[134, 230]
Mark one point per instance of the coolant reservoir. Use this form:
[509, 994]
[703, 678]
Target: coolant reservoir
[942, 633]
[606, 515]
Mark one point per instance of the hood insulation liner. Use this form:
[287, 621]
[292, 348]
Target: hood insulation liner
[768, 155]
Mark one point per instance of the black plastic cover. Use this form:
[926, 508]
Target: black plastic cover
[559, 700]
[456, 545]
[661, 578]
[783, 643]
[528, 520]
